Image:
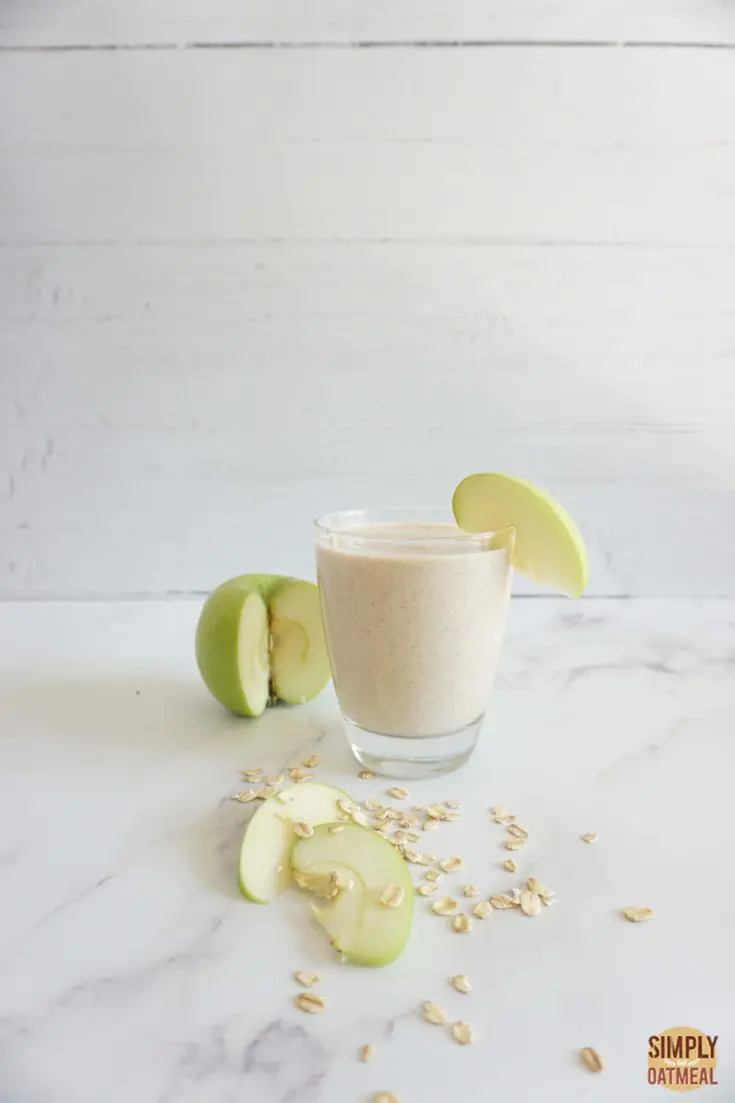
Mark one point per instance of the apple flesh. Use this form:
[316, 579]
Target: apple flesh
[260, 638]
[548, 546]
[265, 857]
[360, 926]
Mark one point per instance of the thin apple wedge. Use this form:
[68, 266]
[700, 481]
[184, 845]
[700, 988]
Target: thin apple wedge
[265, 857]
[369, 919]
[548, 546]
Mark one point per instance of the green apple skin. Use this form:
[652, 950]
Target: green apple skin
[547, 540]
[265, 857]
[239, 666]
[218, 645]
[362, 928]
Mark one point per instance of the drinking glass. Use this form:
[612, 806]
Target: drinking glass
[414, 612]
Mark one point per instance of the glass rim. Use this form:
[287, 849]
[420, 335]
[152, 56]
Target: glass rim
[325, 524]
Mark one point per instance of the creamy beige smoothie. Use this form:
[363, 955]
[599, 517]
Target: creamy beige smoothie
[414, 616]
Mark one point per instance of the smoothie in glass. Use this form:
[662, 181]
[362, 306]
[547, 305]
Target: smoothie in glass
[414, 610]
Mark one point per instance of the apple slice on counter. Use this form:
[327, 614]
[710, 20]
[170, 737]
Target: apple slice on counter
[548, 545]
[260, 637]
[369, 918]
[265, 857]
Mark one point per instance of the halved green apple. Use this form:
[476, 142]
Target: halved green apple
[367, 867]
[260, 637]
[548, 545]
[265, 857]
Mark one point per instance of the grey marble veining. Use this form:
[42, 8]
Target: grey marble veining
[132, 970]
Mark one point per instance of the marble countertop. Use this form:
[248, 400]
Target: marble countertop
[131, 971]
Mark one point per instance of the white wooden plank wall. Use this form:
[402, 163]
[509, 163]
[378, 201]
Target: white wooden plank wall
[242, 284]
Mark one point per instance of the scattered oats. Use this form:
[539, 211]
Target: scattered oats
[266, 792]
[432, 1013]
[517, 831]
[382, 828]
[470, 890]
[462, 924]
[450, 817]
[434, 812]
[503, 900]
[514, 844]
[530, 903]
[500, 811]
[392, 896]
[398, 793]
[590, 837]
[411, 856]
[427, 890]
[321, 884]
[638, 915]
[245, 798]
[296, 773]
[406, 822]
[346, 806]
[309, 1001]
[413, 836]
[302, 778]
[433, 875]
[510, 865]
[430, 825]
[547, 897]
[339, 881]
[335, 828]
[307, 980]
[451, 804]
[366, 775]
[312, 761]
[372, 805]
[252, 775]
[366, 1053]
[423, 859]
[449, 865]
[461, 983]
[273, 779]
[445, 906]
[303, 830]
[360, 818]
[515, 895]
[394, 813]
[534, 886]
[462, 1034]
[483, 909]
[591, 1059]
[386, 1097]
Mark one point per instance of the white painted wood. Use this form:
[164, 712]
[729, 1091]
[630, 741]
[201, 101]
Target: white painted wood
[37, 22]
[514, 145]
[172, 415]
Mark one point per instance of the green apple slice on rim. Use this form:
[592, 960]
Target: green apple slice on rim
[265, 857]
[366, 930]
[548, 545]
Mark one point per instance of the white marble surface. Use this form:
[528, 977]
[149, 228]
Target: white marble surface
[131, 970]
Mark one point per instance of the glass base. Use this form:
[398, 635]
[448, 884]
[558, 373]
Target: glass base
[413, 756]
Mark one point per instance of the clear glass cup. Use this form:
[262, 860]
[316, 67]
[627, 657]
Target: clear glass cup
[414, 613]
